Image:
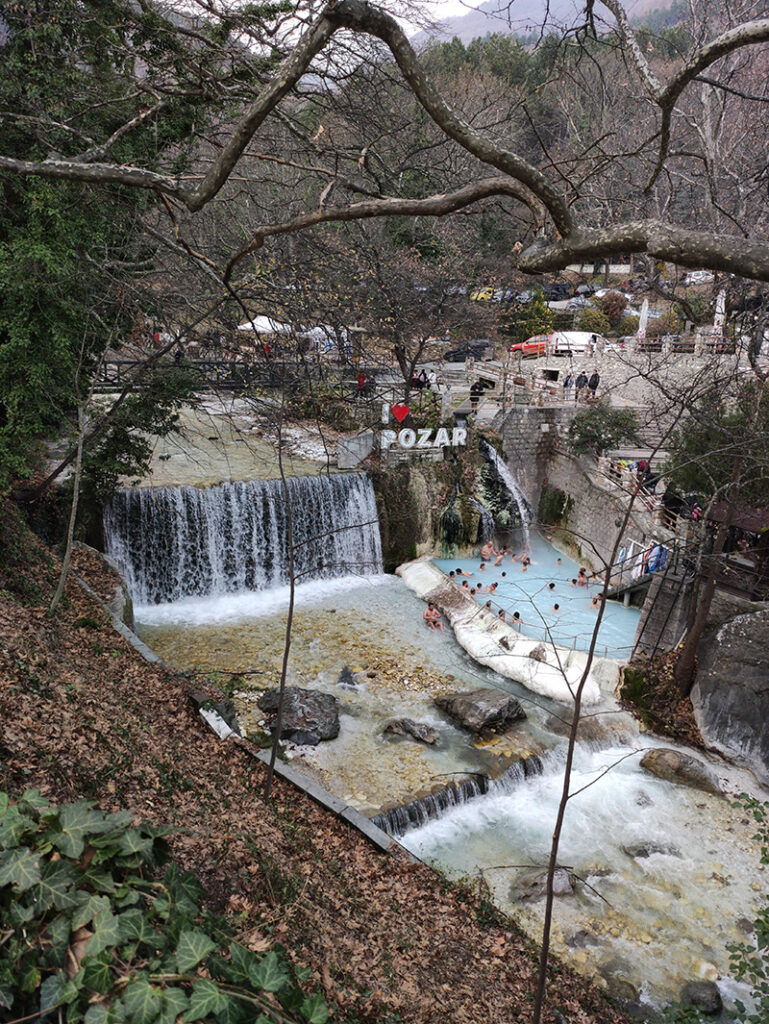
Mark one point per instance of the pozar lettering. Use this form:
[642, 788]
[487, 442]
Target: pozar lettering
[424, 437]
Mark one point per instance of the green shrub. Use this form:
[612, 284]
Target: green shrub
[601, 428]
[628, 324]
[554, 506]
[668, 323]
[593, 320]
[91, 929]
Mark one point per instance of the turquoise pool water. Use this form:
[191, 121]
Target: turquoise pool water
[529, 593]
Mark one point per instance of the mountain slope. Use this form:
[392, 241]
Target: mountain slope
[520, 17]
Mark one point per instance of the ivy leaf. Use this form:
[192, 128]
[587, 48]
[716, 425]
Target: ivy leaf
[20, 868]
[77, 821]
[205, 1000]
[58, 932]
[7, 994]
[315, 1010]
[96, 878]
[134, 926]
[12, 827]
[30, 979]
[96, 1014]
[268, 974]
[175, 1003]
[193, 946]
[242, 961]
[55, 990]
[56, 886]
[4, 801]
[97, 975]
[32, 798]
[106, 933]
[89, 906]
[142, 1001]
[132, 841]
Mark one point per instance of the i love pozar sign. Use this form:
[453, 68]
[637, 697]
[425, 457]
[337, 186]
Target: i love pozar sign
[421, 438]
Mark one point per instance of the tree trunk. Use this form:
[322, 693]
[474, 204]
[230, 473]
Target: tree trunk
[81, 424]
[289, 616]
[686, 665]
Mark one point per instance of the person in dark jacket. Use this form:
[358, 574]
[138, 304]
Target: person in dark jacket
[580, 384]
[593, 383]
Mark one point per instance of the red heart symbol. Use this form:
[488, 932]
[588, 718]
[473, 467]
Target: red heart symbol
[400, 412]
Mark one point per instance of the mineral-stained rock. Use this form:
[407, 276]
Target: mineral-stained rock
[704, 995]
[416, 730]
[533, 886]
[675, 766]
[730, 697]
[224, 708]
[347, 679]
[482, 710]
[641, 850]
[309, 716]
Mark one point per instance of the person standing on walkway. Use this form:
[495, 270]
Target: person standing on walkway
[593, 383]
[568, 384]
[580, 385]
[476, 390]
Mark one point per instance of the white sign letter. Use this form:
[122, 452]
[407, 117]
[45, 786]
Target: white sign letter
[441, 437]
[407, 438]
[387, 439]
[459, 435]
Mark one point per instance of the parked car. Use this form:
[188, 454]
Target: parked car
[478, 348]
[603, 292]
[585, 290]
[556, 291]
[482, 294]
[578, 302]
[697, 277]
[532, 348]
[568, 343]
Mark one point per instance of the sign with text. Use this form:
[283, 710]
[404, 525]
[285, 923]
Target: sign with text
[423, 437]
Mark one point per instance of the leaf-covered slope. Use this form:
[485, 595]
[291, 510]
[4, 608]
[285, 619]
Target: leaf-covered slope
[84, 716]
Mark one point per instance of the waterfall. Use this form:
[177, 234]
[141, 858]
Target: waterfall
[175, 542]
[509, 481]
[398, 820]
[486, 528]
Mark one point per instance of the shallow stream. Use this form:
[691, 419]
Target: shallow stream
[666, 876]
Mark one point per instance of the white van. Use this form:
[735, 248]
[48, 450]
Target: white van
[573, 343]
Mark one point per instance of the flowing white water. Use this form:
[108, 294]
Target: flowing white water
[511, 484]
[676, 867]
[177, 542]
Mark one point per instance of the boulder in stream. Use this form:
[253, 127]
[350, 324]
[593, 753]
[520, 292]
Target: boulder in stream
[347, 680]
[415, 730]
[639, 851]
[482, 710]
[309, 716]
[703, 995]
[675, 766]
[533, 886]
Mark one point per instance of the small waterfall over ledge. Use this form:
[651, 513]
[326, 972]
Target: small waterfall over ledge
[176, 542]
[509, 481]
[398, 820]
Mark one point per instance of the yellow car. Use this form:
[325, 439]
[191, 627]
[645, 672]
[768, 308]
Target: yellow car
[482, 295]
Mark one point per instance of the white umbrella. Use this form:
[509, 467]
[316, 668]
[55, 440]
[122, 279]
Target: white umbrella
[720, 318]
[265, 325]
[642, 319]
